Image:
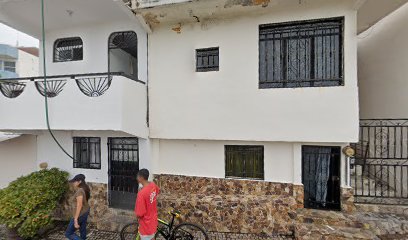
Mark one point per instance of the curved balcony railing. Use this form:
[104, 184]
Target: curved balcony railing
[91, 102]
[94, 86]
[51, 89]
[90, 84]
[12, 89]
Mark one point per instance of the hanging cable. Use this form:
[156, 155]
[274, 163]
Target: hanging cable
[45, 82]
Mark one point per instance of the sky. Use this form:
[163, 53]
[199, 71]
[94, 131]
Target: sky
[11, 36]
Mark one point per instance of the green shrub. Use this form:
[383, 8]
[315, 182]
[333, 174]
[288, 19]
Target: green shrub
[28, 202]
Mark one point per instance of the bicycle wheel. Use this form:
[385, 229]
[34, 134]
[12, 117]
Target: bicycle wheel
[129, 231]
[189, 231]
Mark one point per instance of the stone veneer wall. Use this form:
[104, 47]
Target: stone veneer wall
[347, 199]
[98, 203]
[231, 205]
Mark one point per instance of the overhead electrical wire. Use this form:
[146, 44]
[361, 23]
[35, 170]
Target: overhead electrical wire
[47, 119]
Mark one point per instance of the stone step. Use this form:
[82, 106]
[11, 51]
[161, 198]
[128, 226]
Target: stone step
[385, 224]
[331, 218]
[115, 220]
[305, 231]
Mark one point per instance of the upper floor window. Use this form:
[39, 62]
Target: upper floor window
[10, 66]
[301, 54]
[68, 49]
[123, 53]
[87, 152]
[207, 59]
[244, 161]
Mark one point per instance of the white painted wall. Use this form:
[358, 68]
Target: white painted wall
[123, 107]
[49, 152]
[383, 67]
[17, 158]
[227, 105]
[282, 161]
[95, 47]
[27, 64]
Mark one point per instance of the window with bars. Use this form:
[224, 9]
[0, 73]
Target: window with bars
[68, 49]
[87, 152]
[244, 161]
[207, 59]
[301, 54]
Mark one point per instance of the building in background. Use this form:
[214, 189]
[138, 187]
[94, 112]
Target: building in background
[8, 61]
[18, 61]
[28, 62]
[17, 149]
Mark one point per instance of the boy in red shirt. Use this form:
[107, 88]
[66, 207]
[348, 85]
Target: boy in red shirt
[146, 206]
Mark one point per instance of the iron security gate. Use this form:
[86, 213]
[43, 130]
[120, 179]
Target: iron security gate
[379, 173]
[123, 154]
[321, 177]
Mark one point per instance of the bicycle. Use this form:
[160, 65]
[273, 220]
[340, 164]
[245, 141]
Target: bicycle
[167, 230]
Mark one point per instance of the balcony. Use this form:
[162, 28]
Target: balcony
[96, 101]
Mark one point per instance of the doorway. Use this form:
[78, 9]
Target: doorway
[321, 177]
[123, 156]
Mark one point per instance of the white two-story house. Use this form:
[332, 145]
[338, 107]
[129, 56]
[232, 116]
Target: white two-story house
[240, 109]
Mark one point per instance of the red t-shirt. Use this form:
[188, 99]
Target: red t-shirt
[146, 209]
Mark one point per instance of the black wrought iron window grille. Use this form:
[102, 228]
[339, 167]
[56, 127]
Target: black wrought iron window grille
[127, 41]
[242, 161]
[54, 87]
[94, 86]
[12, 89]
[301, 54]
[87, 152]
[207, 59]
[68, 49]
[123, 53]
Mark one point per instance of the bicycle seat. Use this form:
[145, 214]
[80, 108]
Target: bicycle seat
[175, 213]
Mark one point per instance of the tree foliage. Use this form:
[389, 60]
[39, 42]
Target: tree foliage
[28, 202]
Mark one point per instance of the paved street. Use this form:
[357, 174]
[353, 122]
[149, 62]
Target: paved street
[94, 234]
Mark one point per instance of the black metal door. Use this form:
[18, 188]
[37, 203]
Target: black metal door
[123, 154]
[321, 177]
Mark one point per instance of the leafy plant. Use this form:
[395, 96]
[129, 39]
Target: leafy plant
[28, 202]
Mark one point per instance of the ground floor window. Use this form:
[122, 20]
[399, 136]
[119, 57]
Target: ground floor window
[244, 161]
[87, 152]
[321, 177]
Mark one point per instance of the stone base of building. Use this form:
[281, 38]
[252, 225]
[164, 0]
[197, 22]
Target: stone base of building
[347, 199]
[220, 205]
[230, 205]
[98, 203]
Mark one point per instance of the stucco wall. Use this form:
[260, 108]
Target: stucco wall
[95, 48]
[123, 107]
[27, 64]
[383, 67]
[202, 158]
[17, 158]
[49, 152]
[228, 105]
